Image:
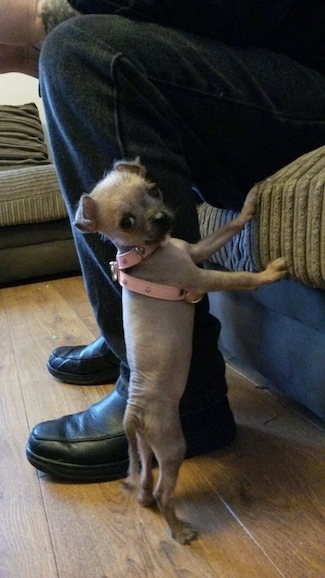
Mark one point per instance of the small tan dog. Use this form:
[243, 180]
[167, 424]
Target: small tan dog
[158, 315]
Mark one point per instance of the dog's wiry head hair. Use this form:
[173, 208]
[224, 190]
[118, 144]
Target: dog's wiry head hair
[125, 207]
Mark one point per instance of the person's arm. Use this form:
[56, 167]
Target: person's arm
[23, 26]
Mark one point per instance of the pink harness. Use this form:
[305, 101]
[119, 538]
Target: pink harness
[148, 288]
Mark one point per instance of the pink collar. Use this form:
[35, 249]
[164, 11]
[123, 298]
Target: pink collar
[148, 288]
[135, 256]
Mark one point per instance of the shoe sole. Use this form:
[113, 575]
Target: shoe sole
[76, 473]
[99, 378]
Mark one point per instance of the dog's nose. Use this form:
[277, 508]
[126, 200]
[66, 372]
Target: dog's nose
[161, 218]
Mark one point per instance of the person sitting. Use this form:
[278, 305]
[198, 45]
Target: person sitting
[213, 97]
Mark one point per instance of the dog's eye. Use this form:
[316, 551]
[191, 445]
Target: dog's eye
[155, 193]
[127, 222]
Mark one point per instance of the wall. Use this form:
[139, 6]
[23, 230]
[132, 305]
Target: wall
[18, 88]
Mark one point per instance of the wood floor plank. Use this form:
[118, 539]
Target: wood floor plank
[41, 319]
[258, 505]
[25, 544]
[273, 481]
[116, 537]
[72, 289]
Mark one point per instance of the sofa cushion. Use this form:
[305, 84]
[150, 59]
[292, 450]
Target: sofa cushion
[291, 218]
[21, 137]
[240, 253]
[290, 222]
[30, 195]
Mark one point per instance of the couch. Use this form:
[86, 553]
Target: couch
[35, 234]
[278, 330]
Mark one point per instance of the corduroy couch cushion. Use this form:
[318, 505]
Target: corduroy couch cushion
[289, 222]
[21, 137]
[30, 195]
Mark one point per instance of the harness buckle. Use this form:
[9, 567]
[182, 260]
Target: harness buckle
[114, 270]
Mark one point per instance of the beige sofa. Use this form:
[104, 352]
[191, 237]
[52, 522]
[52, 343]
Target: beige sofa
[35, 234]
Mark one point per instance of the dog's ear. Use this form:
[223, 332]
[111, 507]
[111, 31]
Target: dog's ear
[131, 166]
[86, 215]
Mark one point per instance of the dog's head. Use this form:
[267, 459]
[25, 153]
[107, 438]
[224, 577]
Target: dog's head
[125, 207]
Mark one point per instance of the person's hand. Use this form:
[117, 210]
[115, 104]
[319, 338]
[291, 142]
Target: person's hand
[23, 26]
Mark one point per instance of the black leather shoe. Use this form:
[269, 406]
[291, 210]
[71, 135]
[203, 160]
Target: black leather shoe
[91, 446]
[85, 364]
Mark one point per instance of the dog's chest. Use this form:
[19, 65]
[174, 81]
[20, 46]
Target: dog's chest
[157, 333]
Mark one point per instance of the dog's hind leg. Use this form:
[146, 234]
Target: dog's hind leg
[170, 454]
[139, 451]
[180, 530]
[145, 496]
[130, 425]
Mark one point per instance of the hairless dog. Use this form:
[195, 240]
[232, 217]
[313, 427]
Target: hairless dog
[159, 294]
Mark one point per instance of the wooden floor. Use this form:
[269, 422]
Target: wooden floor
[258, 506]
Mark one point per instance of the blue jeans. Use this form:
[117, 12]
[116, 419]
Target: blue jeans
[197, 112]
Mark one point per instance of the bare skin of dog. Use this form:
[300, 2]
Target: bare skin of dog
[129, 210]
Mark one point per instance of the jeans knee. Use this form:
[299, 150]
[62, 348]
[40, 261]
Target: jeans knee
[83, 43]
[57, 51]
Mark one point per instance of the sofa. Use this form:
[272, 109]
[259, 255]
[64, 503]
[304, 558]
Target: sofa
[35, 233]
[278, 330]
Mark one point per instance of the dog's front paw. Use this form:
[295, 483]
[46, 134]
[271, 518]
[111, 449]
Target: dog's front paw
[183, 532]
[276, 270]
